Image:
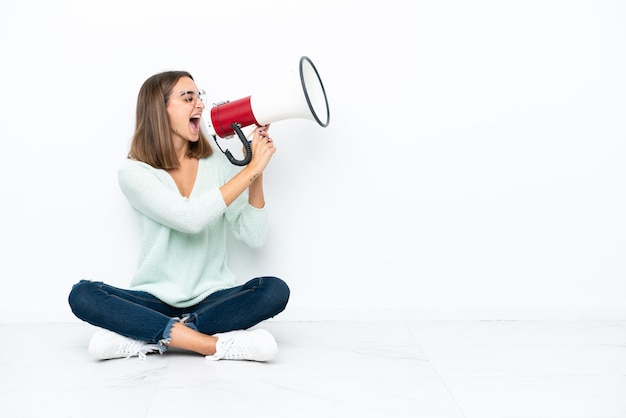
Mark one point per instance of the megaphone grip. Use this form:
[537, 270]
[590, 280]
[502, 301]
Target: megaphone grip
[225, 115]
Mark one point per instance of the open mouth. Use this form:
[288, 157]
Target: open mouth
[195, 123]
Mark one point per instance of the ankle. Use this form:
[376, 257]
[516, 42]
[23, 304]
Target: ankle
[186, 338]
[210, 346]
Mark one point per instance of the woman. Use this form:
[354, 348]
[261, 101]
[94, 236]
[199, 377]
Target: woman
[183, 294]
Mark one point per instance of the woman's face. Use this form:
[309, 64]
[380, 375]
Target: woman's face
[184, 109]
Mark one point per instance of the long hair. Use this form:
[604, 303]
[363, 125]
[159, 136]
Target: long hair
[152, 140]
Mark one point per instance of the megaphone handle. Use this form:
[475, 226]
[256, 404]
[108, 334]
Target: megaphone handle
[237, 128]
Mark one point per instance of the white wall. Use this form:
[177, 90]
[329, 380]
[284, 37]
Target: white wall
[473, 166]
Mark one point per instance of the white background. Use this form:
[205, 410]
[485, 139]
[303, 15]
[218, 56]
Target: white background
[473, 166]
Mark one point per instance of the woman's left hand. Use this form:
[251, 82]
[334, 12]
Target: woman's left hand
[262, 146]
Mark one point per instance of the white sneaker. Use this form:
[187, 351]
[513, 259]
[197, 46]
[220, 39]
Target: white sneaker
[256, 345]
[107, 344]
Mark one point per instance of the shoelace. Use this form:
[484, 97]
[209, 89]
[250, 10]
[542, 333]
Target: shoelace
[135, 348]
[236, 352]
[229, 350]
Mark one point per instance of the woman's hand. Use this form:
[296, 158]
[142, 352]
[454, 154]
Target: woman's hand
[262, 148]
[251, 176]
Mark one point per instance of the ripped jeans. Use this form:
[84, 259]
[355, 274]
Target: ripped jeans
[142, 316]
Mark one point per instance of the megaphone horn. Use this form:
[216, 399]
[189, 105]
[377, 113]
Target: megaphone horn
[303, 98]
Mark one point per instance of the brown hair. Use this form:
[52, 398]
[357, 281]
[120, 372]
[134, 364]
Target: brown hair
[152, 140]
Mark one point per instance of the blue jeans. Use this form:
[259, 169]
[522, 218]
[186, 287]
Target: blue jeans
[142, 316]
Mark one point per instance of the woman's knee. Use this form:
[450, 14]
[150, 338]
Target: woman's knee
[79, 298]
[279, 291]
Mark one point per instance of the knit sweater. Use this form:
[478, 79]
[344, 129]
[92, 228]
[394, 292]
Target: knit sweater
[183, 255]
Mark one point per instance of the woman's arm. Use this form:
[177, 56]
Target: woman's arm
[251, 176]
[154, 193]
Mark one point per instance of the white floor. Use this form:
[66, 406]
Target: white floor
[331, 369]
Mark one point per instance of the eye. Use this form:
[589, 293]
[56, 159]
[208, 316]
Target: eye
[189, 96]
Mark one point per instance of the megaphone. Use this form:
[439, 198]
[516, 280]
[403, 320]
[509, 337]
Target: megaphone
[303, 97]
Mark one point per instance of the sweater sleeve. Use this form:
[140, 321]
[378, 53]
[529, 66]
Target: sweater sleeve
[154, 193]
[247, 223]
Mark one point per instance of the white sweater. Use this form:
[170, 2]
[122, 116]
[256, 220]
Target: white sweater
[183, 254]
